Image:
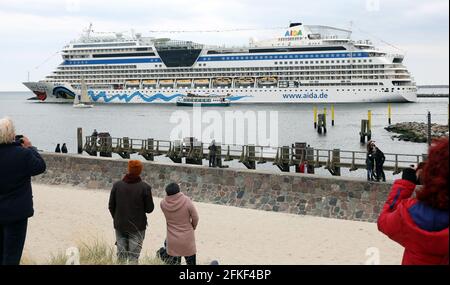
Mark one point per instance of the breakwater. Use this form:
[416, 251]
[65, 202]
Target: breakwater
[417, 132]
[301, 194]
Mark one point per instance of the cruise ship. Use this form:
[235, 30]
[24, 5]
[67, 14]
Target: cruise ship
[305, 64]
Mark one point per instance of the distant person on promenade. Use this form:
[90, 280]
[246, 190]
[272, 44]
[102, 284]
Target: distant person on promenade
[58, 148]
[64, 148]
[379, 164]
[370, 164]
[182, 219]
[213, 154]
[420, 223]
[19, 160]
[130, 200]
[303, 167]
[95, 133]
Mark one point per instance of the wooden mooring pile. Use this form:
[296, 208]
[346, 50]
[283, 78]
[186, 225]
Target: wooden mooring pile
[195, 152]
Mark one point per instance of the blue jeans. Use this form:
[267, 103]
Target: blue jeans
[129, 246]
[12, 241]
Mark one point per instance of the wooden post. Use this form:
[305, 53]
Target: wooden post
[336, 160]
[429, 129]
[80, 140]
[332, 115]
[315, 117]
[389, 114]
[364, 130]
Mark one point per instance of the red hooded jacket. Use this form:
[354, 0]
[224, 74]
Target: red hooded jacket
[420, 229]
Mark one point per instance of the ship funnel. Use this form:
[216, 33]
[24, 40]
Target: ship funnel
[294, 25]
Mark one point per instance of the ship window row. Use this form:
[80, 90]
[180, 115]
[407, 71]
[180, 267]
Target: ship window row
[232, 74]
[310, 78]
[134, 68]
[89, 51]
[104, 45]
[325, 61]
[187, 75]
[241, 74]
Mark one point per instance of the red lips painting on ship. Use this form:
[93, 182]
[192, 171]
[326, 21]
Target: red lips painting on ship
[41, 95]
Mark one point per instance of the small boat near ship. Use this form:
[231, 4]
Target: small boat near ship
[204, 100]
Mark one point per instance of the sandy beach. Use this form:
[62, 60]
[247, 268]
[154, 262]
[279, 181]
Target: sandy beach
[66, 215]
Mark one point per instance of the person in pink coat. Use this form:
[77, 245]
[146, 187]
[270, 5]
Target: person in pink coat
[182, 219]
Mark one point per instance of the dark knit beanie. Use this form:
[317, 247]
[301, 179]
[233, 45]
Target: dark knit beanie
[410, 175]
[172, 189]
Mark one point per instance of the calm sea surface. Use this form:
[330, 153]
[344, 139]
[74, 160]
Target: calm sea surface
[49, 124]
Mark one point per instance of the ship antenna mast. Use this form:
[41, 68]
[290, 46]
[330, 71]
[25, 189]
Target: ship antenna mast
[89, 30]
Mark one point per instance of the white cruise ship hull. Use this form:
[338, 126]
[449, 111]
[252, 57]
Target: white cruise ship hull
[63, 93]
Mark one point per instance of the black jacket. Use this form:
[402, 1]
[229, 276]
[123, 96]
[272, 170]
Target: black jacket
[17, 165]
[212, 150]
[379, 157]
[128, 205]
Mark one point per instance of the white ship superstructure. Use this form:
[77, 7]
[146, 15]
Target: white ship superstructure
[307, 64]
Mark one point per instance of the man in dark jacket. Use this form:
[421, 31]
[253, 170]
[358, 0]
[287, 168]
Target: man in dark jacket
[130, 200]
[379, 163]
[19, 160]
[213, 154]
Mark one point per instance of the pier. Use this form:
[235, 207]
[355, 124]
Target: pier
[195, 152]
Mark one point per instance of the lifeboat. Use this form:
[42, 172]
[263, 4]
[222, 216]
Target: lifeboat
[223, 81]
[149, 82]
[245, 81]
[184, 82]
[132, 82]
[166, 82]
[268, 81]
[201, 82]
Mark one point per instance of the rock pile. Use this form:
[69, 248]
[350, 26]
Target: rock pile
[417, 132]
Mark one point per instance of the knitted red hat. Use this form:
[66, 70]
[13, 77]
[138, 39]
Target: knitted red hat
[135, 167]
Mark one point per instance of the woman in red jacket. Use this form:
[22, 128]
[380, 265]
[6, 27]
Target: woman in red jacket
[420, 224]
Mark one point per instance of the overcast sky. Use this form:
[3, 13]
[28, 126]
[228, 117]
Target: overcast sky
[32, 32]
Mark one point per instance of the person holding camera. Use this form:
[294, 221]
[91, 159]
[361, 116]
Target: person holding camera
[420, 223]
[19, 161]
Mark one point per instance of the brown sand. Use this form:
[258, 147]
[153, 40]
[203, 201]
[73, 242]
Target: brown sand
[65, 215]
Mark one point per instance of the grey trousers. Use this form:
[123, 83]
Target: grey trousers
[129, 246]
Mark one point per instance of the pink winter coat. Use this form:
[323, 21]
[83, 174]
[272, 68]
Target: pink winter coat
[182, 219]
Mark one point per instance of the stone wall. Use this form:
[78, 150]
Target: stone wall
[333, 197]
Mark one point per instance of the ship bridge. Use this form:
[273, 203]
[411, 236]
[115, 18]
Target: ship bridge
[326, 32]
[178, 53]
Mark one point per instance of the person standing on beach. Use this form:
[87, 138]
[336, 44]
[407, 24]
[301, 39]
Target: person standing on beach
[19, 161]
[182, 220]
[130, 200]
[420, 223]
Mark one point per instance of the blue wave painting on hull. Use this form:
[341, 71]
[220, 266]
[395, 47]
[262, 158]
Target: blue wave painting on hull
[127, 98]
[149, 99]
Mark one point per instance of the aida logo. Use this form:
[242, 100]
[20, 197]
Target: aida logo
[293, 33]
